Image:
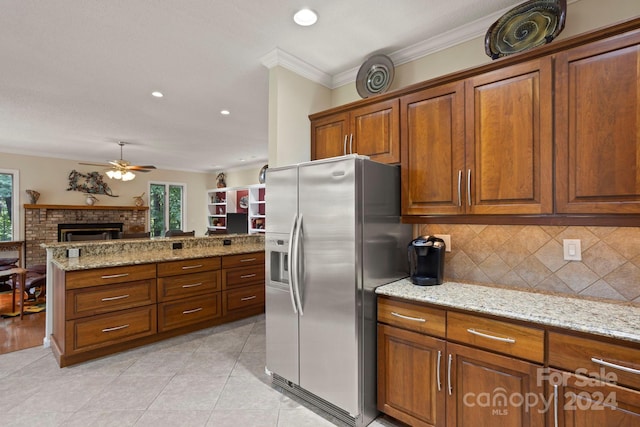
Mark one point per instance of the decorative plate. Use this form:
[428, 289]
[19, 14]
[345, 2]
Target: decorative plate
[374, 76]
[531, 24]
[244, 202]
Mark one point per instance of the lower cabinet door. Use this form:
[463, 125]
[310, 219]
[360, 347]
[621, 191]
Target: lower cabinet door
[188, 311]
[411, 377]
[108, 329]
[241, 298]
[586, 402]
[487, 389]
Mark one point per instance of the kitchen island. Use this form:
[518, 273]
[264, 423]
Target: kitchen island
[490, 355]
[120, 294]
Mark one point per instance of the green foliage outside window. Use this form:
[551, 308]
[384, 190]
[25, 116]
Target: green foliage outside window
[6, 207]
[160, 216]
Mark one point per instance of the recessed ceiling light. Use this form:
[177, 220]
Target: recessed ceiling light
[225, 112]
[157, 94]
[305, 17]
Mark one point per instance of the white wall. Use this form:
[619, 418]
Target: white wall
[50, 177]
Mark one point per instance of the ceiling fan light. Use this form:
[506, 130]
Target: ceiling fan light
[128, 176]
[111, 174]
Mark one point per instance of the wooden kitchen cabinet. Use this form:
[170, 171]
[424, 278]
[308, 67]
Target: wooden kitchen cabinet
[597, 125]
[372, 130]
[425, 380]
[188, 292]
[480, 146]
[243, 285]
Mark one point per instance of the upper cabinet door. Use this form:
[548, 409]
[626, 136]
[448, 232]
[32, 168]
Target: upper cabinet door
[598, 127]
[329, 136]
[433, 151]
[509, 140]
[375, 131]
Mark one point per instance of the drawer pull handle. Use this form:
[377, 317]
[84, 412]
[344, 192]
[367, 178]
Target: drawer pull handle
[246, 276]
[193, 285]
[189, 267]
[615, 366]
[247, 260]
[115, 298]
[115, 328]
[248, 298]
[555, 405]
[113, 276]
[195, 310]
[491, 337]
[415, 319]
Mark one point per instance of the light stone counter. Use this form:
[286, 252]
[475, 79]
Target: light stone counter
[112, 253]
[609, 319]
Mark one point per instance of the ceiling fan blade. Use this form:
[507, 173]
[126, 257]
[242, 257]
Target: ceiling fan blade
[141, 168]
[104, 165]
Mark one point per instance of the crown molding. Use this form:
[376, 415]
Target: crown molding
[278, 57]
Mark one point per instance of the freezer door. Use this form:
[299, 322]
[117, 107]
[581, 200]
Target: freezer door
[281, 198]
[282, 333]
[329, 282]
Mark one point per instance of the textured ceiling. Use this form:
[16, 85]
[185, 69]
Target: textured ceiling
[76, 76]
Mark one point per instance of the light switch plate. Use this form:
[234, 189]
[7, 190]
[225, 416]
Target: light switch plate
[572, 250]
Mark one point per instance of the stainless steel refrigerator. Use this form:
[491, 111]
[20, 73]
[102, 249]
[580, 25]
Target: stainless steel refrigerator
[333, 235]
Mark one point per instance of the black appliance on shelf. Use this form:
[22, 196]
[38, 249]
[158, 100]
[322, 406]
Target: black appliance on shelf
[426, 260]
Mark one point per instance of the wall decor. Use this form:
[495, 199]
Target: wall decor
[528, 25]
[221, 180]
[33, 196]
[375, 76]
[91, 182]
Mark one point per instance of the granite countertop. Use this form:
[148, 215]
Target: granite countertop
[113, 253]
[609, 319]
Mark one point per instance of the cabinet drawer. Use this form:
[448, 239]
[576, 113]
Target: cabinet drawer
[174, 287]
[253, 258]
[237, 299]
[106, 276]
[108, 298]
[188, 311]
[174, 268]
[411, 316]
[108, 329]
[495, 335]
[590, 357]
[236, 277]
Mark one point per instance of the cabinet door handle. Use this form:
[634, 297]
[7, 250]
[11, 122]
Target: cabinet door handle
[248, 298]
[193, 285]
[351, 144]
[555, 405]
[438, 370]
[615, 366]
[415, 319]
[115, 298]
[247, 259]
[113, 276]
[189, 267]
[469, 187]
[449, 385]
[491, 337]
[459, 187]
[192, 311]
[115, 328]
[246, 276]
[344, 148]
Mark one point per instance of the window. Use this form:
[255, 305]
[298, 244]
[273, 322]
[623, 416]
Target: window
[166, 207]
[9, 212]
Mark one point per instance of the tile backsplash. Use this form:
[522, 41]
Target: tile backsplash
[532, 257]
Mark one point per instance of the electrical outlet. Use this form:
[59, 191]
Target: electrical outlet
[73, 253]
[447, 241]
[176, 245]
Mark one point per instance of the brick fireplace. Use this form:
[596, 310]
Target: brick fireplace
[41, 223]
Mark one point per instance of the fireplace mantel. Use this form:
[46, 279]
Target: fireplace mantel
[87, 207]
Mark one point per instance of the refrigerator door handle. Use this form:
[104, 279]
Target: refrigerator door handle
[296, 273]
[290, 263]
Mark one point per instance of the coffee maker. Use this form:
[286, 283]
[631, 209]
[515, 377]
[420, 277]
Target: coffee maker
[426, 260]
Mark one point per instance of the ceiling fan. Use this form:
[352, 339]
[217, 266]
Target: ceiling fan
[122, 169]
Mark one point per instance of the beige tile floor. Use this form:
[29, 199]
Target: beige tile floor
[212, 377]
